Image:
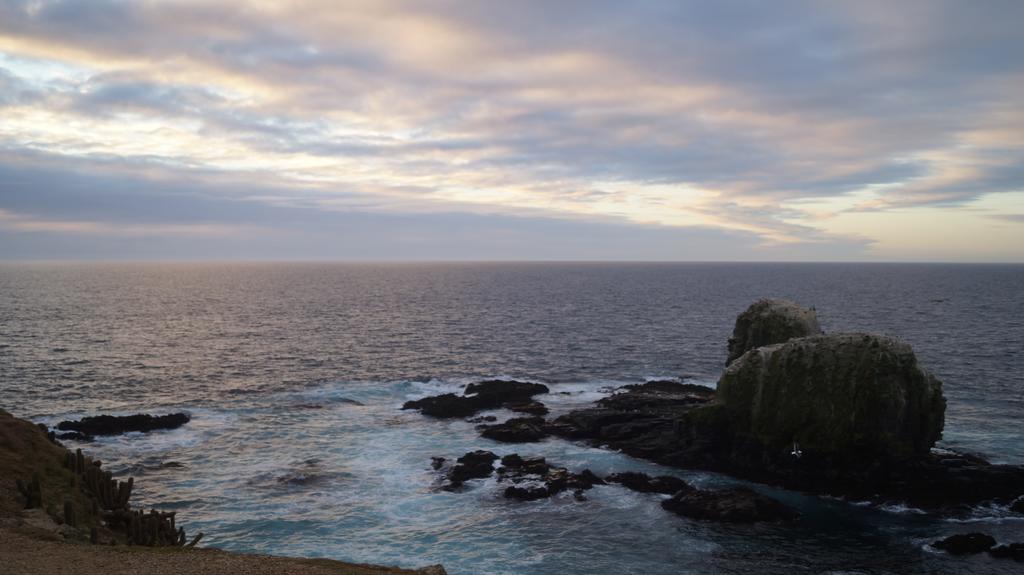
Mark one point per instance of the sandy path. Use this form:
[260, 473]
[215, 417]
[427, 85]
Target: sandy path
[24, 555]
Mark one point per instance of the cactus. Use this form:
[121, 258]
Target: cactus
[69, 513]
[109, 499]
[33, 492]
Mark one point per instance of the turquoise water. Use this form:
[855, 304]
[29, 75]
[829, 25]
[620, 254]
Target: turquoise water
[294, 375]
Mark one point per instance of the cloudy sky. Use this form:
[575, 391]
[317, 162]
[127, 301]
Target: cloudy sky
[658, 130]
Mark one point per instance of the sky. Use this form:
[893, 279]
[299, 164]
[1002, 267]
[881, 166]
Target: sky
[527, 130]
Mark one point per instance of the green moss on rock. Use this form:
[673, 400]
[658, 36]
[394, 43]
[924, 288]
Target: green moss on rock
[770, 321]
[833, 395]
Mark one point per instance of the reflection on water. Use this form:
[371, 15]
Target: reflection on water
[294, 373]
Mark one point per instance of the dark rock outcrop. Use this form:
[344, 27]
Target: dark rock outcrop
[738, 505]
[966, 543]
[516, 430]
[118, 424]
[1018, 506]
[473, 465]
[640, 420]
[491, 394]
[534, 478]
[644, 483]
[770, 321]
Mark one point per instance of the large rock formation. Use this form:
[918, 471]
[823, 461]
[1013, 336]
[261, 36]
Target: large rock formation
[844, 414]
[849, 397]
[770, 321]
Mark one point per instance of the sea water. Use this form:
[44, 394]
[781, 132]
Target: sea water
[294, 375]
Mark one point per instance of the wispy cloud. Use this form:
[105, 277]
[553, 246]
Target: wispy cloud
[25, 223]
[769, 121]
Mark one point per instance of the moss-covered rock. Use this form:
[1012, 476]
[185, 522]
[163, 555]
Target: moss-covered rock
[835, 396]
[770, 321]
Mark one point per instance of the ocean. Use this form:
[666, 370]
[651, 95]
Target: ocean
[294, 375]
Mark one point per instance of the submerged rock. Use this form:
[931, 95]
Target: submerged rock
[770, 321]
[491, 394]
[850, 397]
[527, 492]
[965, 543]
[739, 505]
[118, 424]
[75, 436]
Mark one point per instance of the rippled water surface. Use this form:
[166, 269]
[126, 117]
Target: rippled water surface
[294, 374]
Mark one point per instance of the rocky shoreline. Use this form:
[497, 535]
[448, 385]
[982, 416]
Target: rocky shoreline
[850, 415]
[61, 512]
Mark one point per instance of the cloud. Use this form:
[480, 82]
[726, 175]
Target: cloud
[90, 213]
[1012, 218]
[769, 120]
[22, 223]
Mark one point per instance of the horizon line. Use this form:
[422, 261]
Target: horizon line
[494, 261]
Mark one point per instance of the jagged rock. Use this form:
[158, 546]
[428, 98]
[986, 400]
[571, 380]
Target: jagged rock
[491, 394]
[516, 430]
[965, 543]
[644, 483]
[118, 424]
[845, 396]
[446, 405]
[533, 478]
[770, 321]
[473, 465]
[637, 419]
[739, 505]
[1018, 506]
[1013, 551]
[657, 395]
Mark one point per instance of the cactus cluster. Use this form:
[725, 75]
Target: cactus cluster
[33, 492]
[155, 528]
[69, 513]
[110, 502]
[110, 493]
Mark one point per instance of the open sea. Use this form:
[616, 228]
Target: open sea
[294, 375]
